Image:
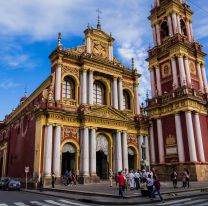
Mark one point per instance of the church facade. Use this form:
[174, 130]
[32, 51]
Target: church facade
[85, 117]
[178, 107]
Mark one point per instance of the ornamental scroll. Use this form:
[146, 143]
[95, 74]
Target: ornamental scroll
[70, 133]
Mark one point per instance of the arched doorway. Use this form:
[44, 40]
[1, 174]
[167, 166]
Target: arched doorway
[131, 158]
[68, 158]
[102, 156]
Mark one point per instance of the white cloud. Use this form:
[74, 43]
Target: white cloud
[8, 84]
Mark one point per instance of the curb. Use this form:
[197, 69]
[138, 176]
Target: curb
[120, 202]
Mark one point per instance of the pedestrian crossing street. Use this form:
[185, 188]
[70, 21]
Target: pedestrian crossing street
[187, 201]
[60, 202]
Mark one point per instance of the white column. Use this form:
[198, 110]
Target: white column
[136, 100]
[179, 24]
[188, 30]
[170, 26]
[159, 89]
[120, 93]
[152, 79]
[201, 86]
[85, 152]
[158, 3]
[93, 152]
[188, 74]
[90, 88]
[179, 136]
[174, 23]
[154, 35]
[147, 149]
[118, 152]
[182, 70]
[115, 93]
[125, 151]
[160, 141]
[174, 71]
[204, 77]
[158, 34]
[89, 45]
[190, 133]
[152, 144]
[58, 83]
[48, 151]
[110, 48]
[140, 141]
[56, 151]
[199, 138]
[84, 87]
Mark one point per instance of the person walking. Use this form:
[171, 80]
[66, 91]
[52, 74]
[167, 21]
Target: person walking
[111, 178]
[174, 178]
[187, 178]
[157, 188]
[121, 183]
[137, 179]
[53, 180]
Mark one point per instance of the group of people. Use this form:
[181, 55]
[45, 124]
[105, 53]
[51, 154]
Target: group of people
[146, 181]
[70, 178]
[185, 178]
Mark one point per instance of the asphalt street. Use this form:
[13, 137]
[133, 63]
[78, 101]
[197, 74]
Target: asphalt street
[12, 198]
[186, 201]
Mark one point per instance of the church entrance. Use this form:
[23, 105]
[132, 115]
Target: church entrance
[102, 165]
[102, 157]
[131, 158]
[68, 158]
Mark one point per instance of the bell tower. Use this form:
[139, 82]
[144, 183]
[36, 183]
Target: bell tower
[178, 106]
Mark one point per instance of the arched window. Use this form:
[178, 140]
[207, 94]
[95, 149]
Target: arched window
[98, 93]
[68, 88]
[126, 100]
[164, 30]
[183, 27]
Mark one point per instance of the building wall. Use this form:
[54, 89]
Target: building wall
[204, 130]
[184, 134]
[21, 147]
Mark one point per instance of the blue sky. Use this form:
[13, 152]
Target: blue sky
[29, 34]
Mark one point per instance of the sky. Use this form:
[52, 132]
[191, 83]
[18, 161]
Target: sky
[29, 32]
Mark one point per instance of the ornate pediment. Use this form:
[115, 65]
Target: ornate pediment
[105, 112]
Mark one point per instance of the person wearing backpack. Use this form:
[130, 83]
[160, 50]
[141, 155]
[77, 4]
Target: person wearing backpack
[174, 178]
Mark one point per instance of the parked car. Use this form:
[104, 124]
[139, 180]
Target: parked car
[3, 182]
[11, 184]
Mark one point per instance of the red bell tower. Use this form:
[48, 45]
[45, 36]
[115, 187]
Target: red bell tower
[178, 106]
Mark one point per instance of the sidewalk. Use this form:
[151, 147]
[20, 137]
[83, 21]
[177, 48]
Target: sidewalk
[104, 195]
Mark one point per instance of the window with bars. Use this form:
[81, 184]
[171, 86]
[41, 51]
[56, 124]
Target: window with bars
[68, 88]
[98, 93]
[126, 100]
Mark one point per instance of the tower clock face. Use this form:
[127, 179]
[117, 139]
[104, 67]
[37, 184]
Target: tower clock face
[99, 49]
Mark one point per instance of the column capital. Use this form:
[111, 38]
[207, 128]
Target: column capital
[115, 78]
[180, 55]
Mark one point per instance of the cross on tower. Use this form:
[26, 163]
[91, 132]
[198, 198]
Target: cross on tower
[98, 24]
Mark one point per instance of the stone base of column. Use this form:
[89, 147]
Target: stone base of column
[198, 171]
[88, 179]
